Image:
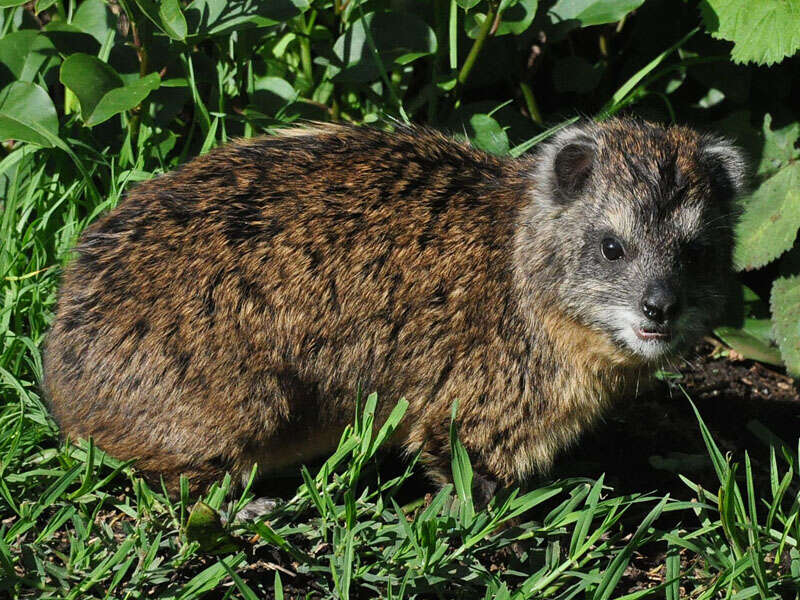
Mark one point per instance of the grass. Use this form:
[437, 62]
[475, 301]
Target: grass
[75, 523]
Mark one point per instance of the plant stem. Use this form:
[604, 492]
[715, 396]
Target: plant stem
[530, 103]
[305, 49]
[486, 26]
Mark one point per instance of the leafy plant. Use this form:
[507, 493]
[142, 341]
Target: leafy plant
[96, 95]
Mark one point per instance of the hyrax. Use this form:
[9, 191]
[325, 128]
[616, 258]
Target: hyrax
[226, 314]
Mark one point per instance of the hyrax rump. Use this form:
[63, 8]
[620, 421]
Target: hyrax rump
[226, 314]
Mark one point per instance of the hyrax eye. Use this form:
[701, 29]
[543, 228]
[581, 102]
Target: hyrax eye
[612, 248]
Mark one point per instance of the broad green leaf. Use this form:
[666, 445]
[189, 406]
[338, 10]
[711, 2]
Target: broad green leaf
[270, 94]
[26, 111]
[204, 527]
[218, 17]
[771, 217]
[516, 17]
[100, 90]
[770, 221]
[779, 146]
[167, 16]
[90, 79]
[763, 31]
[488, 135]
[24, 52]
[124, 98]
[785, 304]
[172, 19]
[467, 4]
[94, 18]
[44, 5]
[9, 3]
[752, 341]
[593, 12]
[399, 38]
[69, 39]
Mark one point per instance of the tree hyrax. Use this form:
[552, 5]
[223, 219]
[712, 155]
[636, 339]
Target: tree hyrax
[225, 314]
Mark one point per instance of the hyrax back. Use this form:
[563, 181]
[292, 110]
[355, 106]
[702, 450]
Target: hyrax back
[225, 314]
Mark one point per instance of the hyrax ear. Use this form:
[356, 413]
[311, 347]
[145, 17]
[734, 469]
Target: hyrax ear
[725, 166]
[573, 165]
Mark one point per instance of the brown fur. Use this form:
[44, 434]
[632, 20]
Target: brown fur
[225, 314]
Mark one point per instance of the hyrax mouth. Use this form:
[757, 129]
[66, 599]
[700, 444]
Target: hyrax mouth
[653, 334]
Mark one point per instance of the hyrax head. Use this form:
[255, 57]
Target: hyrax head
[639, 220]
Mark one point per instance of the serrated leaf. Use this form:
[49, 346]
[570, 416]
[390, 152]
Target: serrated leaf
[593, 12]
[780, 146]
[770, 221]
[763, 32]
[785, 304]
[27, 114]
[771, 216]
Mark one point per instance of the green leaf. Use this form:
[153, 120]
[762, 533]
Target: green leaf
[763, 32]
[208, 579]
[779, 146]
[172, 19]
[516, 17]
[94, 18]
[219, 17]
[204, 527]
[752, 341]
[462, 471]
[27, 114]
[771, 216]
[785, 304]
[100, 90]
[90, 79]
[400, 38]
[487, 134]
[125, 98]
[770, 221]
[593, 12]
[467, 4]
[9, 3]
[24, 52]
[167, 16]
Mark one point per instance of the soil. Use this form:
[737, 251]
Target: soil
[646, 441]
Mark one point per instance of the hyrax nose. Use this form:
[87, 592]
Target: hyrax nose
[659, 302]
